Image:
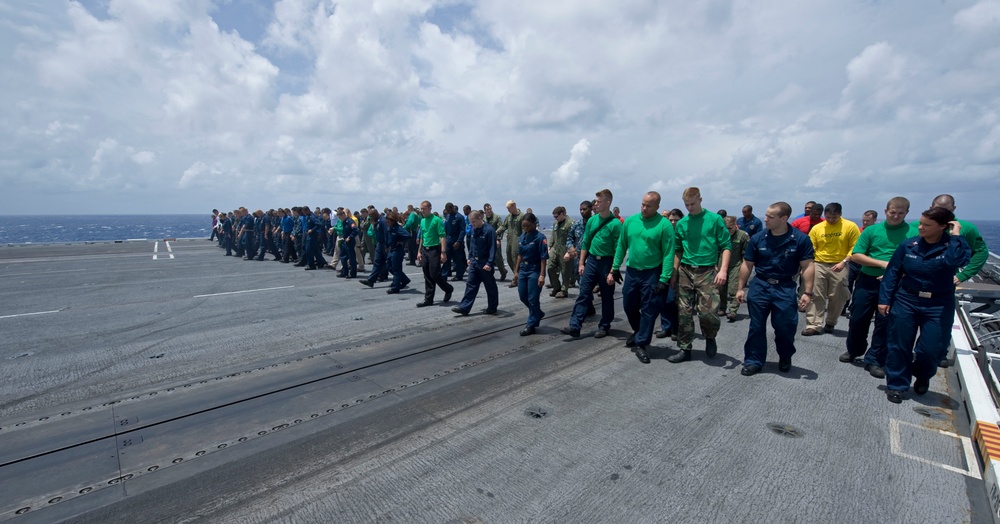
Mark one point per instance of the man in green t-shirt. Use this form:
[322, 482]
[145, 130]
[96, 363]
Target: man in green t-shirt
[648, 239]
[872, 251]
[432, 255]
[702, 246]
[597, 250]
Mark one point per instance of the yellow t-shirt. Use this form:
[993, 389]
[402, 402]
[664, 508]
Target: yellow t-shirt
[834, 242]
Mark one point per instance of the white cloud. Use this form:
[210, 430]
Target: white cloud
[982, 16]
[569, 172]
[377, 100]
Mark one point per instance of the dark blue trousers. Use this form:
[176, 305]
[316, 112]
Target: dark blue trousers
[227, 242]
[641, 303]
[379, 267]
[530, 294]
[778, 302]
[668, 314]
[348, 259]
[399, 278]
[456, 260]
[864, 306]
[595, 272]
[909, 313]
[478, 276]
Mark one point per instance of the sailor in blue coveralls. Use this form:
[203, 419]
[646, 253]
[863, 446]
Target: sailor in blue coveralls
[398, 239]
[533, 251]
[348, 258]
[918, 292]
[454, 230]
[381, 229]
[482, 251]
[778, 254]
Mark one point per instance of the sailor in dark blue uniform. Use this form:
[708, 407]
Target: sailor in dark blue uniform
[778, 254]
[482, 251]
[533, 251]
[399, 237]
[918, 292]
[348, 257]
[227, 233]
[454, 231]
[381, 237]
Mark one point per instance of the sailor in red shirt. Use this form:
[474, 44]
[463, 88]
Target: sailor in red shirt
[806, 223]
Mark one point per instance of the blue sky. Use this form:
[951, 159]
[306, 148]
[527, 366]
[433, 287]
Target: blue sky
[178, 106]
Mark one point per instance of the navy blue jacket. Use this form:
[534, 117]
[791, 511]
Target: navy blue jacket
[778, 257]
[917, 266]
[454, 228]
[482, 248]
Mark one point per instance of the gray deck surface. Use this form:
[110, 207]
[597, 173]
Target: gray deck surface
[318, 400]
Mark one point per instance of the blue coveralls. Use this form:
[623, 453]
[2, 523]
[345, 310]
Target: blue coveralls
[776, 261]
[919, 289]
[398, 238]
[533, 249]
[313, 254]
[287, 222]
[227, 234]
[379, 268]
[482, 251]
[454, 232]
[348, 258]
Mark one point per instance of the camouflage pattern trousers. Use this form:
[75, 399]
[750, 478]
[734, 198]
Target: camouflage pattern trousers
[696, 293]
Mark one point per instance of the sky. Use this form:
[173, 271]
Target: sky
[182, 106]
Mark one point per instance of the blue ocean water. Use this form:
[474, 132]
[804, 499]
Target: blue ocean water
[102, 228]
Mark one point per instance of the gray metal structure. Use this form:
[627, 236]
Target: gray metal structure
[142, 387]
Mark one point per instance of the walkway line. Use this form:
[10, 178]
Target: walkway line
[156, 248]
[238, 292]
[29, 314]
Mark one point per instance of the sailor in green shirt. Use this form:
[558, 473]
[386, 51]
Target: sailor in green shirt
[432, 255]
[980, 252]
[597, 249]
[701, 237]
[648, 239]
[873, 250]
[412, 225]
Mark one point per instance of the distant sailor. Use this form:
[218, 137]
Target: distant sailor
[512, 226]
[778, 254]
[558, 274]
[398, 239]
[495, 222]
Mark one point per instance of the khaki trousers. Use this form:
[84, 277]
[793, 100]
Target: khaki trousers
[829, 296]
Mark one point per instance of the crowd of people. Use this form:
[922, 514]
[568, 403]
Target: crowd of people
[672, 266]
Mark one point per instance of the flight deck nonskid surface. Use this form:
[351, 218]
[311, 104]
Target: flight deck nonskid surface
[202, 386]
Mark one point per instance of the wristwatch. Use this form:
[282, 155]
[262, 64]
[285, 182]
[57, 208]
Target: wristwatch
[808, 293]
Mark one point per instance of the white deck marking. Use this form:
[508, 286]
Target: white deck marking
[156, 249]
[245, 291]
[29, 314]
[970, 453]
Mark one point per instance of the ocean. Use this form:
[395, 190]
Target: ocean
[48, 229]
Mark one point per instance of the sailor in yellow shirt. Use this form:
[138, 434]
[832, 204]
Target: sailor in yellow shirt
[832, 240]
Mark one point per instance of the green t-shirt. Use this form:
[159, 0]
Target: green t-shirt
[701, 237]
[649, 243]
[605, 241]
[412, 222]
[879, 241]
[431, 231]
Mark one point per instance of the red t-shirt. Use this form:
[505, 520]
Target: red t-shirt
[805, 223]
